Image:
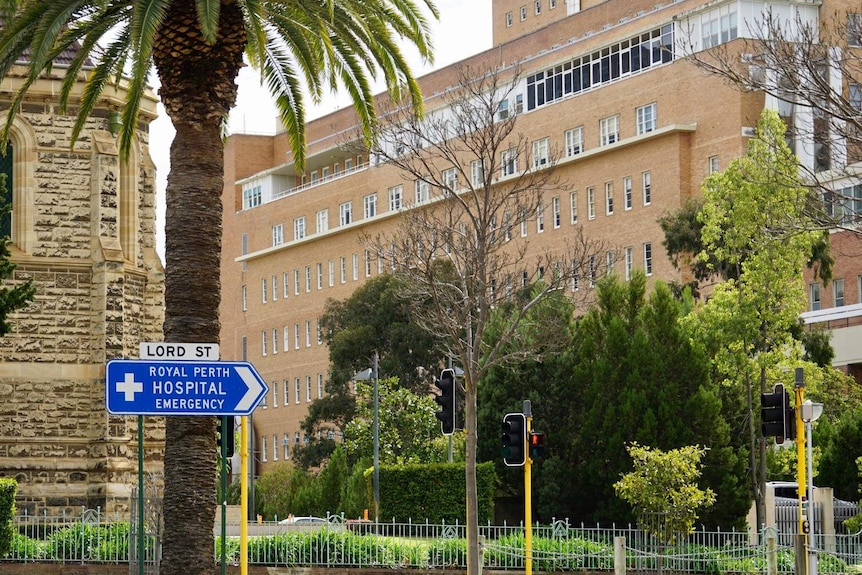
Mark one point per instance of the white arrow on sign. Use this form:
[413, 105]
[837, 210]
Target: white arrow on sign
[254, 388]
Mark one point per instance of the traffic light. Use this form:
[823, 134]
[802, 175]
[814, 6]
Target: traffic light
[446, 401]
[537, 444]
[514, 439]
[226, 434]
[777, 415]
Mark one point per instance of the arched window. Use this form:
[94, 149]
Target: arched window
[6, 165]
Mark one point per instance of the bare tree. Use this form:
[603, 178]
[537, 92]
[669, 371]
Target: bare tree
[479, 182]
[811, 69]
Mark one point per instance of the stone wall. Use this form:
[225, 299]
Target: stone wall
[84, 232]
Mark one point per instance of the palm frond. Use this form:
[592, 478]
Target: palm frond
[208, 15]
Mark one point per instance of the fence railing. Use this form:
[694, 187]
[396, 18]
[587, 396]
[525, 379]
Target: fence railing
[560, 546]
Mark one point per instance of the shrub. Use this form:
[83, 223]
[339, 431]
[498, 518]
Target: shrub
[8, 489]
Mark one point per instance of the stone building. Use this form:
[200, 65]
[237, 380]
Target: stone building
[83, 228]
[605, 82]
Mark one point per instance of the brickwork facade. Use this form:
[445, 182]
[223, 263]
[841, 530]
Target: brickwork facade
[287, 248]
[83, 229]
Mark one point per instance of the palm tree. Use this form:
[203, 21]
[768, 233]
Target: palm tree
[197, 49]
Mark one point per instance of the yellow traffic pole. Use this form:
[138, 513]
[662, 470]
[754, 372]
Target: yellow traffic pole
[799, 387]
[528, 503]
[243, 498]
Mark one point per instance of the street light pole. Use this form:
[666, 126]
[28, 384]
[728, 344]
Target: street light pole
[376, 481]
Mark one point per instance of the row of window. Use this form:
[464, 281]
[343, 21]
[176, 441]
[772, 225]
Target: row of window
[272, 396]
[537, 9]
[270, 345]
[815, 298]
[283, 446]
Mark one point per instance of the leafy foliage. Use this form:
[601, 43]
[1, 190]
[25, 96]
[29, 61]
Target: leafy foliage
[8, 490]
[18, 296]
[663, 489]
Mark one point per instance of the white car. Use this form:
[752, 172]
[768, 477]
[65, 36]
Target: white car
[304, 521]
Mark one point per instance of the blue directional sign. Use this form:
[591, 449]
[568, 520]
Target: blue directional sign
[141, 387]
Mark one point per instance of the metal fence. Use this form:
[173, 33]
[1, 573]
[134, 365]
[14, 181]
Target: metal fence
[95, 538]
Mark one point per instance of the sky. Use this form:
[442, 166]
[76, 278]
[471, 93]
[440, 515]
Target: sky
[464, 29]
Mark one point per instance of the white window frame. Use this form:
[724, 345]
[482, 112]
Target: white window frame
[648, 255]
[396, 198]
[629, 262]
[345, 213]
[609, 198]
[647, 119]
[331, 270]
[296, 336]
[244, 298]
[285, 344]
[263, 445]
[574, 141]
[308, 333]
[609, 130]
[712, 164]
[450, 179]
[277, 234]
[509, 19]
[355, 259]
[319, 385]
[557, 212]
[319, 267]
[343, 269]
[540, 217]
[523, 13]
[263, 288]
[573, 207]
[297, 394]
[422, 190]
[299, 228]
[286, 392]
[296, 282]
[538, 7]
[509, 162]
[628, 200]
[274, 347]
[263, 344]
[307, 279]
[646, 182]
[322, 221]
[839, 298]
[477, 174]
[541, 152]
[369, 206]
[252, 197]
[591, 203]
[285, 278]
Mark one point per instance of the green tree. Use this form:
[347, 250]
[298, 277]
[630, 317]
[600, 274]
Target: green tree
[752, 214]
[18, 296]
[333, 480]
[197, 49]
[838, 464]
[663, 489]
[373, 319]
[640, 379]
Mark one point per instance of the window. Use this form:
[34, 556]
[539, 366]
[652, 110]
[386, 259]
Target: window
[319, 332]
[244, 298]
[540, 217]
[854, 29]
[274, 341]
[296, 336]
[286, 385]
[552, 4]
[308, 333]
[503, 110]
[648, 259]
[629, 255]
[322, 221]
[573, 206]
[609, 129]
[574, 141]
[718, 26]
[308, 388]
[519, 103]
[450, 179]
[395, 198]
[555, 206]
[285, 441]
[319, 276]
[314, 177]
[508, 19]
[251, 197]
[319, 385]
[575, 283]
[592, 271]
[367, 263]
[591, 203]
[838, 292]
[609, 198]
[523, 13]
[627, 192]
[509, 162]
[647, 188]
[263, 346]
[355, 267]
[538, 8]
[274, 288]
[343, 269]
[814, 296]
[295, 282]
[277, 234]
[610, 259]
[263, 285]
[345, 212]
[477, 174]
[712, 164]
[541, 152]
[331, 269]
[523, 222]
[423, 189]
[369, 206]
[299, 228]
[297, 397]
[285, 279]
[646, 118]
[285, 336]
[307, 279]
[608, 64]
[263, 446]
[325, 173]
